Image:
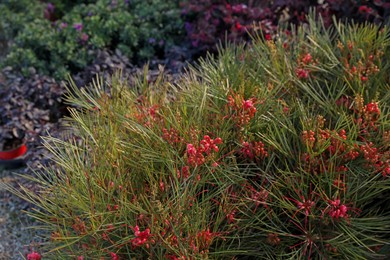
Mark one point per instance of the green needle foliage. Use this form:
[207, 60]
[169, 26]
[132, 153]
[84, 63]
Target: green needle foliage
[275, 150]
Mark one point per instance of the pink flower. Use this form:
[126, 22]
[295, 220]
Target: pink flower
[114, 256]
[78, 26]
[248, 104]
[305, 205]
[337, 210]
[191, 151]
[34, 256]
[307, 59]
[238, 26]
[372, 108]
[196, 156]
[63, 25]
[302, 73]
[239, 8]
[84, 38]
[253, 149]
[386, 171]
[246, 150]
[364, 9]
[140, 237]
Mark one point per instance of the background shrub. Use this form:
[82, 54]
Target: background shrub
[209, 22]
[43, 34]
[58, 40]
[271, 151]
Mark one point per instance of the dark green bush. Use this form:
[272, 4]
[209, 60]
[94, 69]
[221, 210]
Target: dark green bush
[56, 43]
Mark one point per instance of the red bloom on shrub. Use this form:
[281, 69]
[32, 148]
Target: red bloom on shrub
[196, 156]
[248, 104]
[302, 73]
[307, 59]
[141, 237]
[230, 217]
[185, 172]
[34, 256]
[205, 238]
[238, 26]
[364, 9]
[386, 171]
[372, 108]
[114, 256]
[239, 8]
[337, 209]
[253, 150]
[308, 138]
[243, 110]
[370, 153]
[207, 144]
[191, 151]
[305, 205]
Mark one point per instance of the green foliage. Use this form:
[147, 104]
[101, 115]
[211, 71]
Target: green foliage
[15, 14]
[56, 42]
[276, 150]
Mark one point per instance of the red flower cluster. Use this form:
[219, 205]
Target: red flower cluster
[305, 205]
[302, 73]
[141, 238]
[371, 112]
[34, 256]
[196, 156]
[242, 110]
[378, 160]
[146, 114]
[360, 68]
[337, 210]
[184, 172]
[370, 153]
[304, 61]
[205, 238]
[171, 136]
[308, 138]
[364, 9]
[114, 256]
[253, 150]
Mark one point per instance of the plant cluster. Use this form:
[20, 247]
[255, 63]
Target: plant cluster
[60, 37]
[209, 22]
[244, 157]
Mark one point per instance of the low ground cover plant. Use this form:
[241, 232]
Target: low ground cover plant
[275, 150]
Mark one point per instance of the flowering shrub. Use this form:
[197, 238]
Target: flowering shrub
[242, 158]
[209, 21]
[60, 37]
